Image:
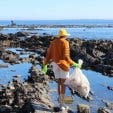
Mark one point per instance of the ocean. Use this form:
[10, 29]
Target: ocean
[60, 22]
[102, 32]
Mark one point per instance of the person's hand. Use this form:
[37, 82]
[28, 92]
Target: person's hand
[44, 69]
[76, 65]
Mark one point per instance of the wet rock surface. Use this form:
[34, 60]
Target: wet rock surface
[21, 34]
[108, 104]
[110, 88]
[9, 57]
[83, 108]
[19, 96]
[96, 54]
[104, 110]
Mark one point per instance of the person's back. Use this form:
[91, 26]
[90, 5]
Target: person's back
[57, 49]
[59, 53]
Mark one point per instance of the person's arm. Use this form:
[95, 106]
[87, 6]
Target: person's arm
[48, 56]
[67, 55]
[46, 60]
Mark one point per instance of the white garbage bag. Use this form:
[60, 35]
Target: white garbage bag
[78, 82]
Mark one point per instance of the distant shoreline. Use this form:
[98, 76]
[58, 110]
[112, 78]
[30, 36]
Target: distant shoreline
[57, 26]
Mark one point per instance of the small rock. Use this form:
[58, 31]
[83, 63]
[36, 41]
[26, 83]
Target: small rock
[81, 108]
[103, 110]
[110, 88]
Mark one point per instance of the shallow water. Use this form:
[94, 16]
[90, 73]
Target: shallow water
[6, 74]
[83, 33]
[98, 83]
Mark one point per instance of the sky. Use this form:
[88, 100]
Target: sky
[55, 9]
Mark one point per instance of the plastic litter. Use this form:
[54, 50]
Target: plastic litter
[78, 82]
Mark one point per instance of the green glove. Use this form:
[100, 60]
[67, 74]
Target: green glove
[44, 69]
[76, 65]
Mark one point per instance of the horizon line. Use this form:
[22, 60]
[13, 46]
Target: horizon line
[48, 19]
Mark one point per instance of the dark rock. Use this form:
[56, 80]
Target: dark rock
[27, 108]
[103, 110]
[57, 109]
[19, 96]
[9, 57]
[36, 75]
[108, 104]
[81, 108]
[5, 109]
[3, 65]
[110, 88]
[3, 37]
[50, 73]
[32, 56]
[21, 34]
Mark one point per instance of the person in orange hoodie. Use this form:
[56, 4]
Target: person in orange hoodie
[58, 54]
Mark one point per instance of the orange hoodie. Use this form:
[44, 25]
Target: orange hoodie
[59, 52]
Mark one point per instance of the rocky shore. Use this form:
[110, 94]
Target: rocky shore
[20, 97]
[96, 54]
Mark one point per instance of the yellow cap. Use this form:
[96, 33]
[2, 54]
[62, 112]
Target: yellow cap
[63, 32]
